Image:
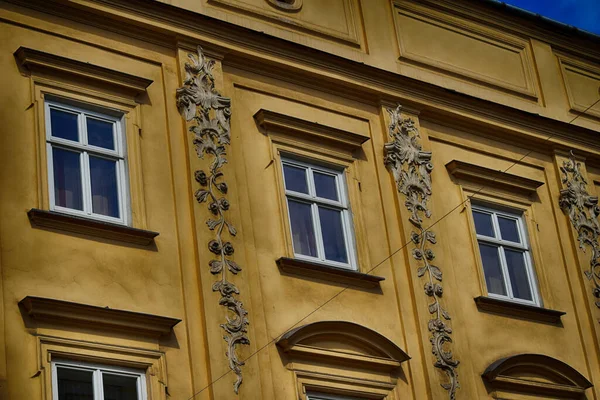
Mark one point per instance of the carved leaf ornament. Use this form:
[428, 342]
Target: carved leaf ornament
[583, 212]
[209, 114]
[411, 167]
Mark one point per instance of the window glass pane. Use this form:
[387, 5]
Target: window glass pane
[483, 223]
[74, 384]
[100, 133]
[517, 272]
[326, 186]
[105, 195]
[119, 387]
[492, 269]
[508, 229]
[67, 179]
[303, 231]
[64, 125]
[333, 235]
[295, 179]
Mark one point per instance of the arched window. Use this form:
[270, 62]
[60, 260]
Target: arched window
[529, 376]
[338, 359]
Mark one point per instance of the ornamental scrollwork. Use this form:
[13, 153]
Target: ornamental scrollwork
[209, 114]
[583, 212]
[411, 168]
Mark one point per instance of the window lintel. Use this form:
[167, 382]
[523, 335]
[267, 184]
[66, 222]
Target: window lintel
[39, 62]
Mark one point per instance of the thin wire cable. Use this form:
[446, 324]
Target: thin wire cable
[388, 257]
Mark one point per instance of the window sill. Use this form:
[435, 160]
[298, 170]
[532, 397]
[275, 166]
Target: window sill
[325, 272]
[105, 230]
[513, 309]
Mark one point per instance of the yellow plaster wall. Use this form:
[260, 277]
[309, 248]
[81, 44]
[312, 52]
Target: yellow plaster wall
[171, 278]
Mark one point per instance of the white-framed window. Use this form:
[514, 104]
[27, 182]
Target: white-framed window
[505, 255]
[83, 381]
[324, 396]
[319, 215]
[87, 169]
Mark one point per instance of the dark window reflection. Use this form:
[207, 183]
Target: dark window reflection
[333, 235]
[483, 224]
[325, 186]
[74, 384]
[303, 231]
[492, 269]
[118, 387]
[67, 179]
[295, 179]
[64, 125]
[105, 195]
[100, 133]
[519, 280]
[508, 229]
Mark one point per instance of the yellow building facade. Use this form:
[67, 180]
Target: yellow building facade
[297, 199]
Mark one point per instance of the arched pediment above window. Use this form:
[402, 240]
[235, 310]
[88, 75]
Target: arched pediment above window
[340, 341]
[537, 374]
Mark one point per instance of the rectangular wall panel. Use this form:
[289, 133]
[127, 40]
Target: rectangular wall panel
[464, 49]
[582, 83]
[333, 19]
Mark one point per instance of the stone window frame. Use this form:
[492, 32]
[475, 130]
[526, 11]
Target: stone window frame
[517, 214]
[119, 155]
[97, 88]
[329, 146]
[151, 362]
[343, 205]
[98, 371]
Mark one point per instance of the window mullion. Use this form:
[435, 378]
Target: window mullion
[121, 190]
[504, 266]
[318, 233]
[348, 239]
[532, 278]
[98, 385]
[86, 183]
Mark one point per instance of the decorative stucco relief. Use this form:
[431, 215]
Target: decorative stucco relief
[411, 167]
[583, 212]
[210, 114]
[286, 5]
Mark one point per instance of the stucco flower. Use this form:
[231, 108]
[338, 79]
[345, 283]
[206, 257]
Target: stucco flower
[201, 177]
[228, 249]
[214, 247]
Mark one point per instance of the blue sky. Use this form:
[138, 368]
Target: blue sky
[584, 14]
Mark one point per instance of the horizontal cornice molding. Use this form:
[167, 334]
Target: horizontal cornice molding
[59, 312]
[492, 178]
[273, 57]
[39, 62]
[274, 122]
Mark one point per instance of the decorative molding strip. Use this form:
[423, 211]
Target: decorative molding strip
[85, 226]
[273, 121]
[59, 311]
[328, 273]
[411, 167]
[538, 374]
[583, 212]
[198, 101]
[36, 61]
[512, 309]
[492, 178]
